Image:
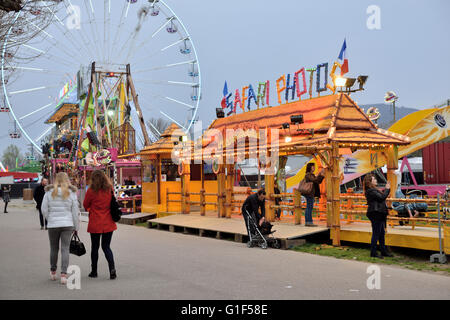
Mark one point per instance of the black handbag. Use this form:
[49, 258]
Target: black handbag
[116, 213]
[76, 246]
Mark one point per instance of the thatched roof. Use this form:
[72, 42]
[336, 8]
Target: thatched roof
[333, 118]
[166, 143]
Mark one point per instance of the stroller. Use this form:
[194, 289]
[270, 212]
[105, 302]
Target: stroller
[260, 237]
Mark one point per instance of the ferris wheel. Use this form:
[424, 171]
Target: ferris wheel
[144, 36]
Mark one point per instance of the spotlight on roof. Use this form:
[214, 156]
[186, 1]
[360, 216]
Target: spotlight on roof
[297, 119]
[220, 113]
[183, 138]
[362, 80]
[285, 125]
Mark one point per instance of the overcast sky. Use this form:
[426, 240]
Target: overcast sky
[245, 42]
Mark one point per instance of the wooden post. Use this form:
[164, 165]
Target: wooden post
[297, 211]
[202, 192]
[269, 179]
[98, 127]
[167, 199]
[202, 202]
[185, 180]
[329, 195]
[350, 217]
[229, 189]
[392, 165]
[137, 106]
[221, 185]
[335, 181]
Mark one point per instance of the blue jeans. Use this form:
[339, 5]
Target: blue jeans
[309, 209]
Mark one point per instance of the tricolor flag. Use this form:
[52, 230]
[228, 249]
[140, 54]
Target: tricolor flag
[225, 93]
[343, 58]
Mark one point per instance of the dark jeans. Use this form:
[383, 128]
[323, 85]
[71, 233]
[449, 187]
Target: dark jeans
[41, 219]
[6, 204]
[106, 242]
[250, 228]
[378, 236]
[309, 209]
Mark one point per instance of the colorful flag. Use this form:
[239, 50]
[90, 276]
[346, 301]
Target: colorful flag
[343, 58]
[225, 93]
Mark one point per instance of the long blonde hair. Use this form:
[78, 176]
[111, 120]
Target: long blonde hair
[61, 181]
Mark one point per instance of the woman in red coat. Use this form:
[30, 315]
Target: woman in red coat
[101, 225]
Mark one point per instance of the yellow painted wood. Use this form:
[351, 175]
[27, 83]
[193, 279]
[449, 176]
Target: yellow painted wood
[269, 179]
[401, 236]
[221, 186]
[329, 196]
[185, 181]
[229, 189]
[446, 239]
[298, 209]
[336, 194]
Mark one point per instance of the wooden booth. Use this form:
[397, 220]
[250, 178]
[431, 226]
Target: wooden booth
[165, 184]
[323, 127]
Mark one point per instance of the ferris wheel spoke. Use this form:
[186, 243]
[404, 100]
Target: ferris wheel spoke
[146, 41]
[44, 71]
[165, 66]
[135, 35]
[35, 111]
[86, 40]
[47, 55]
[94, 31]
[172, 119]
[31, 90]
[65, 31]
[57, 44]
[180, 102]
[123, 15]
[44, 133]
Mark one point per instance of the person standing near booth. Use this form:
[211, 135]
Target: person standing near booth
[377, 211]
[310, 198]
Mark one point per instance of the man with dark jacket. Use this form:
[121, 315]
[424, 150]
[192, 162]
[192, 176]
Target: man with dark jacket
[38, 196]
[251, 207]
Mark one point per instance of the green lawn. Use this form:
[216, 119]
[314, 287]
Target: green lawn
[409, 260]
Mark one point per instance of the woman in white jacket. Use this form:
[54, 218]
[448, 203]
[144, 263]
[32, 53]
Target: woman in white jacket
[60, 209]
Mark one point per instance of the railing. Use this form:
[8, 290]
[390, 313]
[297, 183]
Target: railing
[201, 202]
[430, 218]
[353, 207]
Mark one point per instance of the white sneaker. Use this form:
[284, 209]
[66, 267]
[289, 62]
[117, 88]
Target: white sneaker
[53, 275]
[63, 278]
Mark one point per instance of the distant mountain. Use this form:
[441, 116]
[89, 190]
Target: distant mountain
[387, 116]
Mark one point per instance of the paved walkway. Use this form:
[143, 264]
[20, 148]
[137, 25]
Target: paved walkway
[153, 264]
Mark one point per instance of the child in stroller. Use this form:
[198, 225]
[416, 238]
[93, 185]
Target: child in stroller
[262, 235]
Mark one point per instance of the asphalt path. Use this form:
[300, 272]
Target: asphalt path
[154, 264]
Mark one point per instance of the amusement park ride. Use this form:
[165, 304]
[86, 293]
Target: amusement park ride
[90, 122]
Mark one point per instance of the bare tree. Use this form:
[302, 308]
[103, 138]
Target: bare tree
[157, 126]
[19, 28]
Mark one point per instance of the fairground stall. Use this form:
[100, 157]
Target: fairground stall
[326, 128]
[163, 179]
